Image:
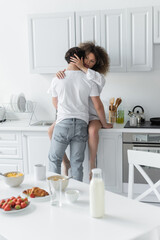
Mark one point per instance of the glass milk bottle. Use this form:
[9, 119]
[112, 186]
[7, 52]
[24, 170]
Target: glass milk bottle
[97, 203]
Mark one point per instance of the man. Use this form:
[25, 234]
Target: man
[70, 96]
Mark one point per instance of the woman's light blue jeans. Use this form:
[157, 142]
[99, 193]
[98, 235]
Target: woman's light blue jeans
[71, 131]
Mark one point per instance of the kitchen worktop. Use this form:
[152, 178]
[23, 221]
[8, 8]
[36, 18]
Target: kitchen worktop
[19, 125]
[124, 219]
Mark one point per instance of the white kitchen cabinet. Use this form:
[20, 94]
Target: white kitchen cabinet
[35, 149]
[88, 27]
[139, 39]
[126, 34]
[109, 159]
[113, 38]
[50, 36]
[127, 37]
[10, 151]
[157, 24]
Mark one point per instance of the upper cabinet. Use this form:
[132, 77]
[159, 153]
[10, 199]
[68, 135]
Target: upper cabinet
[50, 36]
[113, 38]
[88, 27]
[126, 34]
[139, 39]
[157, 24]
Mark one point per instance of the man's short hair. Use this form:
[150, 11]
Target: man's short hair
[75, 50]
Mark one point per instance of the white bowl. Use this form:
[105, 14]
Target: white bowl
[13, 181]
[55, 182]
[72, 195]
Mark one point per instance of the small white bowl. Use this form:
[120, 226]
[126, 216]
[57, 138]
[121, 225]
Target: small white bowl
[72, 195]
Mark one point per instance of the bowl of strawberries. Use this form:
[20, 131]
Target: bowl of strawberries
[14, 204]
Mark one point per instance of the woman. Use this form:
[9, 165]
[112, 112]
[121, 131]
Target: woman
[94, 65]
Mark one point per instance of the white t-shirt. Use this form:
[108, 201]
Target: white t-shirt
[100, 81]
[73, 94]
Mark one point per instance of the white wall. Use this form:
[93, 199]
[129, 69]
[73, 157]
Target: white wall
[134, 88]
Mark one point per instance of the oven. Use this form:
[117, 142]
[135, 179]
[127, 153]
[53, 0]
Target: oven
[149, 142]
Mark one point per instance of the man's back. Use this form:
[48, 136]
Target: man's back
[73, 93]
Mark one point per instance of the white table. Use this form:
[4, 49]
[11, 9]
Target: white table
[124, 218]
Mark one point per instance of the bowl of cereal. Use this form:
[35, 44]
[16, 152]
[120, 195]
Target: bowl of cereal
[56, 183]
[13, 179]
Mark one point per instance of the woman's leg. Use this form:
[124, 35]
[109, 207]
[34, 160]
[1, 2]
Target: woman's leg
[65, 161]
[93, 140]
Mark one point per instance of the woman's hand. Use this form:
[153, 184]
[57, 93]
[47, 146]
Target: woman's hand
[61, 74]
[78, 62]
[108, 125]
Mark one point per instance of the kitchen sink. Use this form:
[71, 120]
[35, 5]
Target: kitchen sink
[42, 123]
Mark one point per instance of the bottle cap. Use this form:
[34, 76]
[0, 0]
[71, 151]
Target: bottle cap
[96, 170]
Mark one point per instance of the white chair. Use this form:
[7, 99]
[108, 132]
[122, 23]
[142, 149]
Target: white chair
[136, 159]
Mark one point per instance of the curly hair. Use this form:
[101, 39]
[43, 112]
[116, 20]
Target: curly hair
[102, 58]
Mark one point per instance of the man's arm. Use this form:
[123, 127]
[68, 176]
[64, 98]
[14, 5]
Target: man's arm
[55, 102]
[98, 105]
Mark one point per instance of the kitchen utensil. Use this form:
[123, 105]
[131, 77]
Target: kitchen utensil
[155, 120]
[111, 103]
[118, 102]
[139, 115]
[2, 174]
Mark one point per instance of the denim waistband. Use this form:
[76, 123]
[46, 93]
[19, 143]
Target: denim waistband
[74, 120]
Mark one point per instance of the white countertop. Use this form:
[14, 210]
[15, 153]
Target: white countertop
[124, 218]
[24, 126]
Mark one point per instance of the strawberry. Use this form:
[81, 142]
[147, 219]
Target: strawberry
[2, 202]
[7, 207]
[4, 205]
[23, 205]
[12, 203]
[17, 207]
[32, 195]
[12, 198]
[18, 202]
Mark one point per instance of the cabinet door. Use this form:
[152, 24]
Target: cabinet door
[50, 36]
[157, 24]
[88, 27]
[139, 39]
[7, 166]
[36, 148]
[109, 159]
[113, 38]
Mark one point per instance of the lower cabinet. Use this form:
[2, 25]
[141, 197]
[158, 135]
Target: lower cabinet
[35, 149]
[10, 151]
[109, 159]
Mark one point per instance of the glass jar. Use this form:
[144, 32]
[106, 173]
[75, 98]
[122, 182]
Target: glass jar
[120, 115]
